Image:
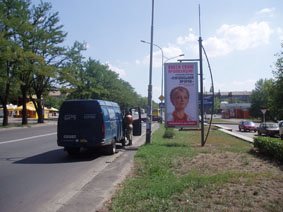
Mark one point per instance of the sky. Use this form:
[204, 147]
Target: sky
[240, 37]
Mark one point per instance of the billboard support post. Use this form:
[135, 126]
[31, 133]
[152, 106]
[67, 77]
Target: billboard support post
[201, 81]
[201, 91]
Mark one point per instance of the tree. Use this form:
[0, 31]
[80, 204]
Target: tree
[278, 86]
[13, 19]
[261, 97]
[71, 76]
[47, 36]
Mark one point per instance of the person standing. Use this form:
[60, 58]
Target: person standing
[128, 127]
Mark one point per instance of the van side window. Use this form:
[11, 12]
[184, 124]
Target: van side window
[118, 113]
[111, 113]
[105, 113]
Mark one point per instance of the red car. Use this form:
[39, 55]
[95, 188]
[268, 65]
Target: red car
[247, 126]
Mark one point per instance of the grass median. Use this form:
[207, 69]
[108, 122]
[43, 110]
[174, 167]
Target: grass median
[179, 175]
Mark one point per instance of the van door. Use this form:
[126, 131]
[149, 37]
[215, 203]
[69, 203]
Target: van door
[137, 124]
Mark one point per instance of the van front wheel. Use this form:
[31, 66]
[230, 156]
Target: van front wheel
[111, 149]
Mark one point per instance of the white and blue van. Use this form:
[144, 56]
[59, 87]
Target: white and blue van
[89, 124]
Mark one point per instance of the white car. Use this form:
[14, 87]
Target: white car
[281, 129]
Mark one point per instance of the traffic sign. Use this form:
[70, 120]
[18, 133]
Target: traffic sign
[161, 97]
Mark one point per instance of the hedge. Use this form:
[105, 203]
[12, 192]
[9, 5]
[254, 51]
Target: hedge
[270, 146]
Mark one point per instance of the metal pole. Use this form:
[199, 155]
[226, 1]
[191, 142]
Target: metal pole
[162, 71]
[149, 107]
[201, 83]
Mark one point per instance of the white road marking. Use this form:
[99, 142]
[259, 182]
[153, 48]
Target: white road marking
[32, 137]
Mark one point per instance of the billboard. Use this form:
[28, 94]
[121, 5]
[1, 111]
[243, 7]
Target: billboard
[181, 94]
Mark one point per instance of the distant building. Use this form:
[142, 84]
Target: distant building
[234, 104]
[235, 110]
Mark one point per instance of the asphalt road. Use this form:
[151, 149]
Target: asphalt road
[235, 129]
[37, 175]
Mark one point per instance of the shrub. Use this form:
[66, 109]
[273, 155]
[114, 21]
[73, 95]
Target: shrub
[270, 146]
[169, 133]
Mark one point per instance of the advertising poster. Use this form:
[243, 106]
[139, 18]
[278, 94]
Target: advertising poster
[181, 94]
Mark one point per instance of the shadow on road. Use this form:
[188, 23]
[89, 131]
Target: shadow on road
[59, 156]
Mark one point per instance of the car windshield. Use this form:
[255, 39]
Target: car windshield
[272, 125]
[249, 123]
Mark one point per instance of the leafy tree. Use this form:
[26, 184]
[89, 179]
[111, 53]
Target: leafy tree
[278, 86]
[13, 19]
[47, 35]
[261, 97]
[71, 78]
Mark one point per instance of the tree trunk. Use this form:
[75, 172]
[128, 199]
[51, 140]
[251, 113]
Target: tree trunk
[24, 111]
[39, 109]
[4, 103]
[6, 113]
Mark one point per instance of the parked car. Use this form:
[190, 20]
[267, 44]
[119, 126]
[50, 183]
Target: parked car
[247, 126]
[281, 129]
[268, 128]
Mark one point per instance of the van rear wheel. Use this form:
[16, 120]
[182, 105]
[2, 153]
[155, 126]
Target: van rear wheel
[111, 149]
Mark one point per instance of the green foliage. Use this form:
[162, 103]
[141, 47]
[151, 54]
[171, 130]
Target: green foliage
[270, 146]
[169, 133]
[269, 93]
[261, 97]
[91, 79]
[166, 177]
[34, 60]
[55, 102]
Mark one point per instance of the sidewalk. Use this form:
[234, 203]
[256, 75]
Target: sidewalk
[230, 132]
[17, 123]
[100, 189]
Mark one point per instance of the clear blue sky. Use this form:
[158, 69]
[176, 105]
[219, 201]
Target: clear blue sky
[241, 37]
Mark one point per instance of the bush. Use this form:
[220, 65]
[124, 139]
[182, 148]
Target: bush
[270, 146]
[169, 133]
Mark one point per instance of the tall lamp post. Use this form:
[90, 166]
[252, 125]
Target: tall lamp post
[149, 96]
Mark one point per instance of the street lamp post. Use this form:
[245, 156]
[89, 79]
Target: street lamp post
[162, 57]
[149, 96]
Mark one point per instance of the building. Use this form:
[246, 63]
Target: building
[234, 104]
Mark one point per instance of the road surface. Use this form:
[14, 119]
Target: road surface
[37, 175]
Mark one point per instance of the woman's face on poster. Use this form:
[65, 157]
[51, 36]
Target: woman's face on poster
[180, 99]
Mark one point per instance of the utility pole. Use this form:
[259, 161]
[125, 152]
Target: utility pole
[149, 97]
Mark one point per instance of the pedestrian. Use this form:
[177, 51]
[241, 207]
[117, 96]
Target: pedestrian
[128, 127]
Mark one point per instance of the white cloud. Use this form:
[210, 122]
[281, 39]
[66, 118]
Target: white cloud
[231, 38]
[228, 38]
[121, 72]
[269, 12]
[190, 38]
[168, 52]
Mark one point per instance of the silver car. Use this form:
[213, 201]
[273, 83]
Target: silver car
[268, 128]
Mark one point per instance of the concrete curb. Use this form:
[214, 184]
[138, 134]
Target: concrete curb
[242, 137]
[100, 189]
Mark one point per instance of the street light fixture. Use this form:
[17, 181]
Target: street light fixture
[161, 61]
[162, 71]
